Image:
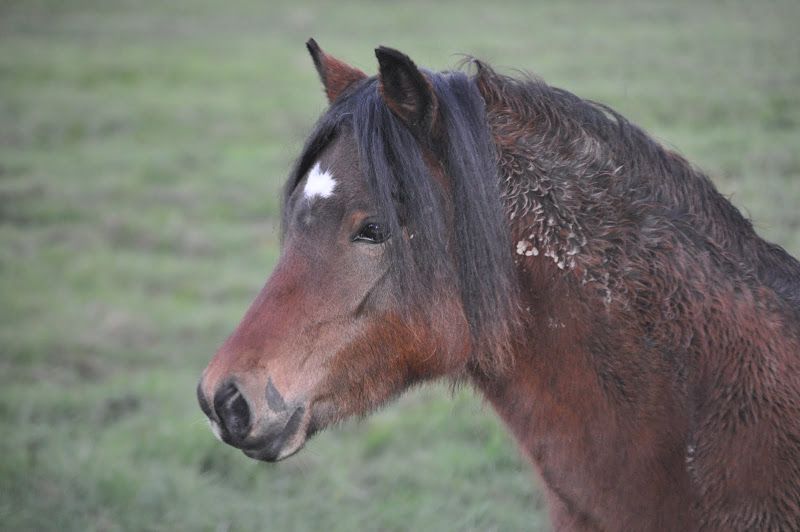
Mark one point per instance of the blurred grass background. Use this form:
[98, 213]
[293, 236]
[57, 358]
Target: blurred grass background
[142, 147]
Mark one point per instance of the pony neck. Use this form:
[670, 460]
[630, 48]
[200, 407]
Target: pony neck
[572, 404]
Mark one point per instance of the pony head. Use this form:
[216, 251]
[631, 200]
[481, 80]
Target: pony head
[395, 268]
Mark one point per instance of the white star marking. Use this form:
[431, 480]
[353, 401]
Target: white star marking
[319, 183]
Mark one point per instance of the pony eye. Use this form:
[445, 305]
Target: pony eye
[372, 233]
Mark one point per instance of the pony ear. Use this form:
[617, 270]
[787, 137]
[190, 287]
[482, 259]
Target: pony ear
[407, 92]
[336, 75]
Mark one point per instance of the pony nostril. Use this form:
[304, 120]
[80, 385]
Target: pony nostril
[233, 412]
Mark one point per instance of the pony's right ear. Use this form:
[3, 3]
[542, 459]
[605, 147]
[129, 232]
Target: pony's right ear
[336, 75]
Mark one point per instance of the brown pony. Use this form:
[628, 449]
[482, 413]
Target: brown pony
[638, 338]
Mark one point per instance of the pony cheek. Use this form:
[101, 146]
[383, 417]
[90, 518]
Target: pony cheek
[388, 357]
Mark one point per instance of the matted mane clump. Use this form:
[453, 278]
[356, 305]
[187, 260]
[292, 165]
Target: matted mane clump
[449, 229]
[595, 190]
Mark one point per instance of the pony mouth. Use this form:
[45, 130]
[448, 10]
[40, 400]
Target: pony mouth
[276, 446]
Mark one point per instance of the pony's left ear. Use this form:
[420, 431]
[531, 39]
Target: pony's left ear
[337, 76]
[407, 92]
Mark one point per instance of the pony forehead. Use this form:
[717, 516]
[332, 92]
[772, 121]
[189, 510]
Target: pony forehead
[319, 183]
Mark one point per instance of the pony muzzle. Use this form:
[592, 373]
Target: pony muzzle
[268, 429]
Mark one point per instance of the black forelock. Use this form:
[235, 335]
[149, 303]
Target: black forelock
[456, 234]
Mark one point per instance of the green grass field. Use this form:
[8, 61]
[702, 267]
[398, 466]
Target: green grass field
[142, 148]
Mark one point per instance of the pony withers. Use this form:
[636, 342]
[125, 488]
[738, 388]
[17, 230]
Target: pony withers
[639, 340]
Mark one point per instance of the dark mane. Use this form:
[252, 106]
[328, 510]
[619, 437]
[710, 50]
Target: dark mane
[573, 164]
[474, 257]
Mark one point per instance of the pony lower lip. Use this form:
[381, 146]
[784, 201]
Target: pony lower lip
[272, 447]
[269, 455]
[267, 452]
[271, 452]
[262, 455]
